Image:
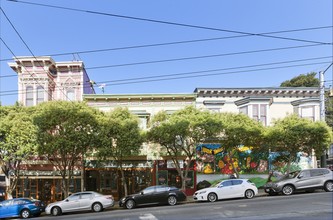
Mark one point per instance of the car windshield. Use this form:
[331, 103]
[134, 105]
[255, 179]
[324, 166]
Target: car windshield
[290, 175]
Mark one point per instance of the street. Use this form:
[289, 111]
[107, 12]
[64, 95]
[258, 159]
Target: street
[305, 206]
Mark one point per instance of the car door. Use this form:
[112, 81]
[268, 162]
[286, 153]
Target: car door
[86, 200]
[225, 190]
[71, 204]
[304, 180]
[5, 208]
[238, 188]
[160, 195]
[146, 196]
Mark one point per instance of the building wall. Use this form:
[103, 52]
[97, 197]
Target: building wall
[58, 80]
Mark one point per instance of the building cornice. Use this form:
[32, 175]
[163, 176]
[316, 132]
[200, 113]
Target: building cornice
[140, 97]
[304, 101]
[259, 91]
[247, 100]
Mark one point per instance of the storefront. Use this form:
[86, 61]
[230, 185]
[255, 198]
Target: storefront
[165, 173]
[105, 176]
[45, 185]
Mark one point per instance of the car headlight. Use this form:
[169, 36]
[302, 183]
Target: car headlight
[202, 192]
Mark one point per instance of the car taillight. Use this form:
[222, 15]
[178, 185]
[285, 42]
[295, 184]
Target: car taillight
[109, 197]
[36, 203]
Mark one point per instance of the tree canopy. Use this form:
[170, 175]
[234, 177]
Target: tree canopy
[17, 142]
[119, 137]
[65, 131]
[239, 129]
[180, 133]
[303, 80]
[293, 134]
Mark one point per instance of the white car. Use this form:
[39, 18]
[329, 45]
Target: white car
[82, 201]
[226, 189]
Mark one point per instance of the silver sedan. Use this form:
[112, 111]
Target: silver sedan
[82, 201]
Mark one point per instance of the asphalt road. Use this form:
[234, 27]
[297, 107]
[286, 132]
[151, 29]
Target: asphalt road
[305, 206]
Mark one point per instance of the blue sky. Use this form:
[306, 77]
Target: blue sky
[239, 60]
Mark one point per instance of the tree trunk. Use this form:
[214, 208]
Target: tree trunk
[9, 191]
[123, 180]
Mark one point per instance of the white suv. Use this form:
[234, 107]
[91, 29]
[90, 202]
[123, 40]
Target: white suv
[308, 180]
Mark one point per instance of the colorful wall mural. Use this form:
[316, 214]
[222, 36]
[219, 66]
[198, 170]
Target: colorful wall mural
[212, 158]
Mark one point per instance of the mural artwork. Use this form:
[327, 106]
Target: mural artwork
[212, 159]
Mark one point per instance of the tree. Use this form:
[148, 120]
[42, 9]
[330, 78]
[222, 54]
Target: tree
[120, 137]
[293, 134]
[239, 129]
[17, 142]
[303, 80]
[180, 133]
[65, 131]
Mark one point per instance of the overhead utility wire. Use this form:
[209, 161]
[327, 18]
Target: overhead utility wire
[220, 69]
[144, 79]
[170, 43]
[168, 22]
[189, 58]
[47, 72]
[200, 57]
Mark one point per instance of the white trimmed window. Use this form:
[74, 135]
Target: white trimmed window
[70, 95]
[29, 99]
[40, 94]
[307, 112]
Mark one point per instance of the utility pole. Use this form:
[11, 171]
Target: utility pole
[322, 111]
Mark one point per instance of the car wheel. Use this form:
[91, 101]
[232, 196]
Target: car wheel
[172, 200]
[56, 211]
[212, 197]
[249, 194]
[288, 190]
[97, 207]
[25, 213]
[130, 204]
[328, 186]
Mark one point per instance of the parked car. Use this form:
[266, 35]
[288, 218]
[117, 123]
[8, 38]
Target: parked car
[20, 207]
[153, 195]
[81, 201]
[226, 189]
[308, 180]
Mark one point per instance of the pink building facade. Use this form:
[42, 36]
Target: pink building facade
[41, 79]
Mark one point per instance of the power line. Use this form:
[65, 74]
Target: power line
[201, 57]
[183, 75]
[190, 58]
[171, 43]
[168, 22]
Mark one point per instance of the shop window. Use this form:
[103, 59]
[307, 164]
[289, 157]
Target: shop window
[162, 177]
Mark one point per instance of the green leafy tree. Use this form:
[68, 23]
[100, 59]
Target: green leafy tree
[180, 133]
[120, 137]
[66, 131]
[17, 142]
[239, 129]
[303, 80]
[293, 134]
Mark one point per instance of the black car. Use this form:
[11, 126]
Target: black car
[153, 195]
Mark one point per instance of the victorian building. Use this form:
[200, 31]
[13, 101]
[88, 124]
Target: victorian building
[42, 79]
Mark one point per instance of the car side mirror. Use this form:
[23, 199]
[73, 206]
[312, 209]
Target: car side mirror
[300, 176]
[66, 200]
[141, 193]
